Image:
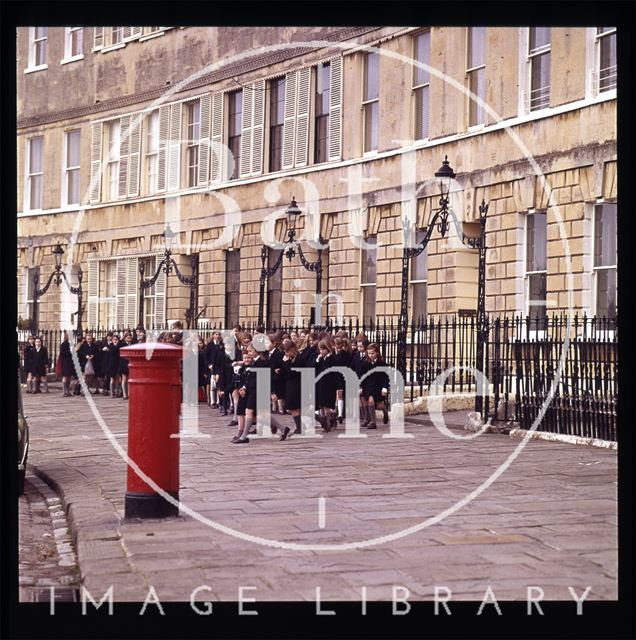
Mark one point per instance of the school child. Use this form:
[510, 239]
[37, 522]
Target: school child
[203, 372]
[358, 359]
[239, 382]
[225, 383]
[375, 387]
[66, 364]
[342, 358]
[212, 361]
[124, 371]
[87, 353]
[248, 391]
[39, 365]
[275, 360]
[113, 366]
[29, 348]
[310, 353]
[326, 387]
[291, 360]
[105, 358]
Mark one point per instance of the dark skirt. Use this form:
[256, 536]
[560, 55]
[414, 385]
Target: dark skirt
[241, 405]
[113, 362]
[66, 361]
[327, 385]
[39, 362]
[123, 366]
[292, 388]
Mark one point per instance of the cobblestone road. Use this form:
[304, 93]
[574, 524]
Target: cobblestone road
[47, 558]
[548, 520]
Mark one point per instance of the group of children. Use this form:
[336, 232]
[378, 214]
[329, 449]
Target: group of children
[100, 361]
[230, 381]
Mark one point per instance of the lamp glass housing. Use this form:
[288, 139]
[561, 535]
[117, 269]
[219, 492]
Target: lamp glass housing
[292, 212]
[168, 236]
[445, 175]
[58, 252]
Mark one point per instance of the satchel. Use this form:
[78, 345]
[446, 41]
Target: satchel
[89, 369]
[58, 366]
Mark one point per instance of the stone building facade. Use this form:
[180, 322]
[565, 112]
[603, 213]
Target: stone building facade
[214, 130]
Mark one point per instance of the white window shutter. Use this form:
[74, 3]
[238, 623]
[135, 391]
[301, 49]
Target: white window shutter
[289, 121]
[127, 32]
[302, 116]
[335, 108]
[96, 162]
[98, 42]
[174, 148]
[136, 31]
[246, 132]
[121, 293]
[93, 294]
[218, 151]
[160, 300]
[162, 153]
[124, 146]
[258, 127]
[204, 139]
[132, 282]
[134, 155]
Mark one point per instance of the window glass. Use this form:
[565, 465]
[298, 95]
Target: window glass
[372, 76]
[276, 118]
[422, 55]
[536, 243]
[476, 47]
[605, 259]
[539, 52]
[235, 124]
[232, 285]
[274, 290]
[322, 101]
[368, 279]
[606, 58]
[539, 37]
[72, 167]
[34, 178]
[419, 277]
[476, 74]
[536, 250]
[152, 149]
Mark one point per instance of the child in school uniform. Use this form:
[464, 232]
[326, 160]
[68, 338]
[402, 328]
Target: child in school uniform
[375, 387]
[358, 359]
[239, 382]
[275, 359]
[326, 387]
[342, 358]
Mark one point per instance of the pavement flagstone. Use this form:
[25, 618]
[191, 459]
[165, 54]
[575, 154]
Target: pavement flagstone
[548, 520]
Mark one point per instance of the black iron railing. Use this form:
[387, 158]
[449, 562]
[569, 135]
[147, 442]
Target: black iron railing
[527, 361]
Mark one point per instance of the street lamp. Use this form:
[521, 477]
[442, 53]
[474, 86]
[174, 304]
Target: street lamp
[56, 278]
[445, 176]
[292, 214]
[167, 264]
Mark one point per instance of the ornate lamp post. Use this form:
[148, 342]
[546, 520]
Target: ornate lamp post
[445, 174]
[292, 214]
[167, 264]
[56, 278]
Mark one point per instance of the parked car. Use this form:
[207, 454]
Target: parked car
[23, 442]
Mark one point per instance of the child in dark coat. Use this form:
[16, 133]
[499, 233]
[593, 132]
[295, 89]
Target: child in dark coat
[375, 387]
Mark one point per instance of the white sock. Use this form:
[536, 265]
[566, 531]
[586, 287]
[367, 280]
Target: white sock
[246, 429]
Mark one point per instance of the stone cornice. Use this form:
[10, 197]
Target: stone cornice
[230, 71]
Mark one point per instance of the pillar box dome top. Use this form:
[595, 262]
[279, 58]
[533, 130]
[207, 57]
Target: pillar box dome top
[152, 350]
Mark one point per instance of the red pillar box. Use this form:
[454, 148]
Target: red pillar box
[153, 415]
